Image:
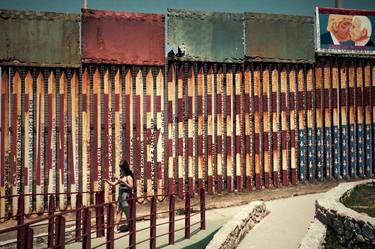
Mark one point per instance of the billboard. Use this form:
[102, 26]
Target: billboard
[345, 31]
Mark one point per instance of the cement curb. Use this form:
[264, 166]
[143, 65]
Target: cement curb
[349, 225]
[231, 233]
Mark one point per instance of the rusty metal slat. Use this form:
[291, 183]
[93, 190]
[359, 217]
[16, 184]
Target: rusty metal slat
[205, 125]
[102, 129]
[313, 170]
[347, 130]
[252, 131]
[55, 151]
[79, 138]
[224, 167]
[165, 122]
[241, 179]
[362, 112]
[295, 171]
[185, 123]
[47, 109]
[259, 178]
[355, 116]
[304, 122]
[330, 118]
[214, 138]
[92, 135]
[268, 175]
[112, 129]
[341, 114]
[143, 179]
[366, 97]
[34, 143]
[279, 128]
[22, 137]
[175, 134]
[71, 165]
[234, 118]
[195, 122]
[86, 134]
[336, 147]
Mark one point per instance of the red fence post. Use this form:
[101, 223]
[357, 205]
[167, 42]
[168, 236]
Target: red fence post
[203, 208]
[78, 217]
[51, 221]
[99, 212]
[110, 227]
[171, 219]
[187, 215]
[86, 236]
[153, 223]
[132, 221]
[29, 237]
[21, 232]
[60, 232]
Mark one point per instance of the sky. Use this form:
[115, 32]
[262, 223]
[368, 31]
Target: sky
[290, 7]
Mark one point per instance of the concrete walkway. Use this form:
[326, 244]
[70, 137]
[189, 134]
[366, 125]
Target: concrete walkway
[284, 226]
[215, 218]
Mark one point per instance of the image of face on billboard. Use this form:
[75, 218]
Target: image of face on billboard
[345, 33]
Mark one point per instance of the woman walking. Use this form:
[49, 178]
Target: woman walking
[126, 185]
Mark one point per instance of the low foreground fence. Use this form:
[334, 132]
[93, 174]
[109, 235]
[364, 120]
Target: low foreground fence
[78, 225]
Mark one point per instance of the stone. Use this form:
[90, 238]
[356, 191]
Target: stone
[338, 226]
[368, 231]
[348, 224]
[348, 234]
[360, 238]
[357, 229]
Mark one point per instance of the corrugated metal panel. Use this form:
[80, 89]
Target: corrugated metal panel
[122, 38]
[39, 38]
[207, 36]
[283, 38]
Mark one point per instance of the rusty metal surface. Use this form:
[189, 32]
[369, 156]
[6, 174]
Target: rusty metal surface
[39, 38]
[207, 36]
[279, 38]
[122, 38]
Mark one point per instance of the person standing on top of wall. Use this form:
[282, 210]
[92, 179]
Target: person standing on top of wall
[126, 185]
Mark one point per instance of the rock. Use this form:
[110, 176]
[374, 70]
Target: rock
[342, 239]
[368, 231]
[360, 238]
[348, 234]
[338, 226]
[357, 229]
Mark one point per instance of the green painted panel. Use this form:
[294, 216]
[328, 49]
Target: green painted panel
[39, 39]
[279, 38]
[207, 36]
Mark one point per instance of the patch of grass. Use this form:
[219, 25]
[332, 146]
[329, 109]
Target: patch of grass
[202, 243]
[362, 199]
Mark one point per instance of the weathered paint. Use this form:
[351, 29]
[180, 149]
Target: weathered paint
[39, 39]
[220, 35]
[279, 38]
[266, 141]
[122, 38]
